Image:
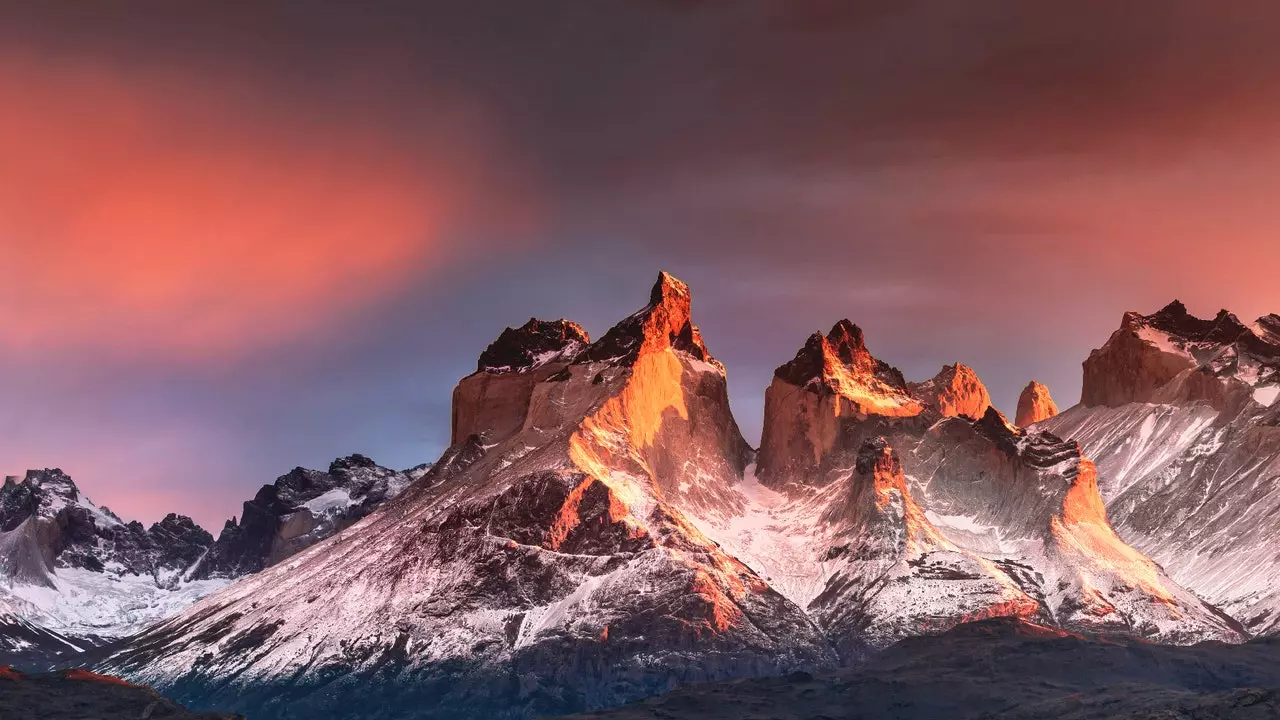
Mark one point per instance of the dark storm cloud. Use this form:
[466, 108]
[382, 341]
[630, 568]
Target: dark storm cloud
[990, 182]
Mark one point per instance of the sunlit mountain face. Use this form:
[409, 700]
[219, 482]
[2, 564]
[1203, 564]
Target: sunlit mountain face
[933, 247]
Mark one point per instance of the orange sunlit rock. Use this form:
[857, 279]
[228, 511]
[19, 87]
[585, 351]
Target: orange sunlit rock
[954, 391]
[1035, 404]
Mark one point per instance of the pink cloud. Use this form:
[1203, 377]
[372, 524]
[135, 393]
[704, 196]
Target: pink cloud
[140, 213]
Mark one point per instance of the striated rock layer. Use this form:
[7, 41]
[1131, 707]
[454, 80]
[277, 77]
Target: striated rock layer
[1181, 415]
[551, 570]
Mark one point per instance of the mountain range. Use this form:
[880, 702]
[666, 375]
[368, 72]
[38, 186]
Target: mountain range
[599, 531]
[77, 577]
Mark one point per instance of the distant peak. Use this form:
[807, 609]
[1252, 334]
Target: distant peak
[532, 345]
[351, 462]
[955, 391]
[1035, 404]
[1174, 319]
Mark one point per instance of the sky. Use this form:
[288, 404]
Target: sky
[237, 238]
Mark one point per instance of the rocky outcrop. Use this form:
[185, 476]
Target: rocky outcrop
[955, 391]
[1187, 458]
[301, 508]
[1034, 405]
[1172, 356]
[831, 387]
[1023, 489]
[493, 401]
[552, 570]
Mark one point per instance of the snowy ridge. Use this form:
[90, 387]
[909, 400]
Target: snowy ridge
[1189, 470]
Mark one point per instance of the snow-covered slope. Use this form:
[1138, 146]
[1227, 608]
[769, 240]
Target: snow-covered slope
[1180, 414]
[74, 576]
[547, 563]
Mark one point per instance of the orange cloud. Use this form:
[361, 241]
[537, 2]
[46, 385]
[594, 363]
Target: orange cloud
[149, 212]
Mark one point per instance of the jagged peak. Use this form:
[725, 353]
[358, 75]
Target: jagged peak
[955, 391]
[1174, 319]
[1267, 328]
[1176, 308]
[50, 477]
[668, 289]
[996, 427]
[1035, 404]
[533, 345]
[849, 344]
[841, 352]
[175, 524]
[355, 461]
[665, 323]
[43, 492]
[1151, 359]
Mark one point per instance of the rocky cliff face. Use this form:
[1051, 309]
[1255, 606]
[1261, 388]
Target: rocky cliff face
[1034, 405]
[551, 570]
[1180, 414]
[831, 387]
[493, 402]
[892, 573]
[301, 508]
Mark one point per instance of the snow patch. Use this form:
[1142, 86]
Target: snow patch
[330, 503]
[1266, 396]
